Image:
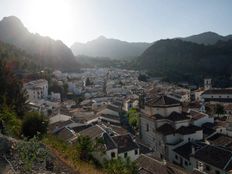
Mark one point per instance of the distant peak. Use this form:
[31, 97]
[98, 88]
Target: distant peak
[13, 22]
[101, 38]
[210, 33]
[12, 19]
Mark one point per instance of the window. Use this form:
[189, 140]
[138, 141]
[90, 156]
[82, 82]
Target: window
[176, 156]
[186, 163]
[217, 172]
[112, 154]
[147, 127]
[136, 152]
[125, 155]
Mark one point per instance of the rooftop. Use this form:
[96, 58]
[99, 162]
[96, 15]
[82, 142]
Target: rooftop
[162, 101]
[185, 130]
[218, 91]
[215, 156]
[186, 149]
[125, 143]
[166, 129]
[149, 165]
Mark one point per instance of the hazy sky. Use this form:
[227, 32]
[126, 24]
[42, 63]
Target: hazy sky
[130, 20]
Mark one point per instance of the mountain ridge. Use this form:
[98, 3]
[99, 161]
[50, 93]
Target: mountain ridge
[109, 47]
[206, 38]
[178, 60]
[52, 53]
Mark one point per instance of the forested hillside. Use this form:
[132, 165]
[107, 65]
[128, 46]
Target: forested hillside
[178, 60]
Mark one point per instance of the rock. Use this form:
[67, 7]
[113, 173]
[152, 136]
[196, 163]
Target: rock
[5, 145]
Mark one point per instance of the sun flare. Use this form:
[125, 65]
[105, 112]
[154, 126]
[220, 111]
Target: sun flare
[49, 17]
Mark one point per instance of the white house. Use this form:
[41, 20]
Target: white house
[122, 146]
[217, 95]
[37, 89]
[212, 159]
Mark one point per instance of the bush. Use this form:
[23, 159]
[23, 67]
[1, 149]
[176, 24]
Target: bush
[120, 166]
[9, 122]
[34, 124]
[84, 148]
[31, 153]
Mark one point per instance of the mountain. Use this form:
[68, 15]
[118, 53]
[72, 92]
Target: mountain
[45, 50]
[112, 48]
[207, 38]
[178, 60]
[17, 60]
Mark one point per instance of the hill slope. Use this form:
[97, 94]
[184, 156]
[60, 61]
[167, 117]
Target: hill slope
[207, 38]
[112, 48]
[51, 53]
[178, 60]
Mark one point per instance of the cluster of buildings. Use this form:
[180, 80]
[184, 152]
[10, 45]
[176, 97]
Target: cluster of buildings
[175, 135]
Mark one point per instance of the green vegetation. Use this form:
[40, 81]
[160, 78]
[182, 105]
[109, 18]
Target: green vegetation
[143, 77]
[13, 107]
[88, 82]
[120, 166]
[133, 117]
[177, 61]
[33, 124]
[69, 153]
[12, 93]
[84, 148]
[44, 50]
[30, 153]
[219, 109]
[10, 123]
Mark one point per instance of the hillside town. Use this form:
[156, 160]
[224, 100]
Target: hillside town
[177, 129]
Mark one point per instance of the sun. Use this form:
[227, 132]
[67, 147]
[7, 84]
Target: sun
[49, 17]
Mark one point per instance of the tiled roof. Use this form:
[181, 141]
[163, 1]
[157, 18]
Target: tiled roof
[185, 130]
[148, 165]
[166, 129]
[65, 134]
[218, 91]
[220, 140]
[113, 108]
[93, 132]
[108, 141]
[162, 101]
[109, 116]
[176, 116]
[186, 149]
[218, 157]
[225, 100]
[83, 117]
[124, 143]
[196, 115]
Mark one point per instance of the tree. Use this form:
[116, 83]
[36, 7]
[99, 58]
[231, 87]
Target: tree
[219, 109]
[12, 93]
[88, 82]
[11, 125]
[34, 123]
[84, 148]
[133, 117]
[120, 166]
[142, 77]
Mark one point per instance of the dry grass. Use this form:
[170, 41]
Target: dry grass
[68, 154]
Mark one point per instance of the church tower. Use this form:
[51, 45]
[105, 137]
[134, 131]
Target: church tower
[207, 84]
